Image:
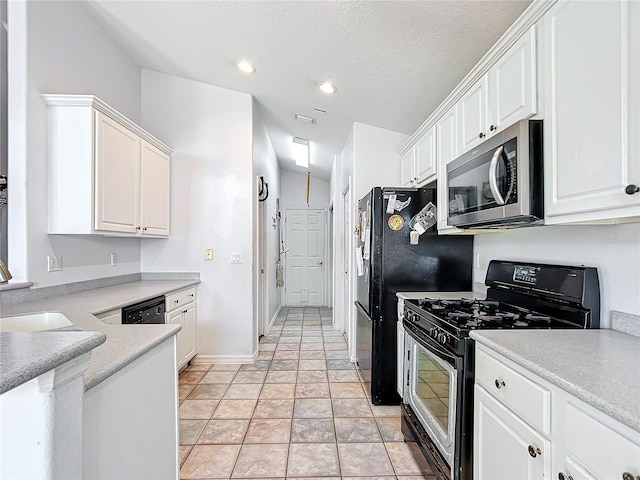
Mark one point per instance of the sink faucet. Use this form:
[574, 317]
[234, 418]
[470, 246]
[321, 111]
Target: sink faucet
[5, 276]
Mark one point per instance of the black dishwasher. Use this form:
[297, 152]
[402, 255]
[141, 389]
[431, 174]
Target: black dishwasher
[149, 311]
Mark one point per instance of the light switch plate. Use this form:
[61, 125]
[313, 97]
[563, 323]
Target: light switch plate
[114, 259]
[54, 263]
[208, 253]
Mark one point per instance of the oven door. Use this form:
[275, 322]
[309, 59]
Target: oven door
[432, 391]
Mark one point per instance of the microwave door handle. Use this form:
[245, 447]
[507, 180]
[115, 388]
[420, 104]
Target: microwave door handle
[493, 179]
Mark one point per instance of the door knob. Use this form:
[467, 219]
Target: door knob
[320, 262]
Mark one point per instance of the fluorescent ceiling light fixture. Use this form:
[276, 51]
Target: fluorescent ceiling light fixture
[245, 66]
[327, 87]
[301, 151]
[305, 119]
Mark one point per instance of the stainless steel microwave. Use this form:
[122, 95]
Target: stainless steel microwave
[499, 184]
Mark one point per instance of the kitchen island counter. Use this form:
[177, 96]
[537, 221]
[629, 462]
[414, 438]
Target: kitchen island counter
[123, 343]
[600, 367]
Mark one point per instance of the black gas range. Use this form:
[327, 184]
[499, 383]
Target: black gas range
[439, 359]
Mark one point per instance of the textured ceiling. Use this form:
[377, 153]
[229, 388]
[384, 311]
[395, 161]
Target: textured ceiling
[393, 61]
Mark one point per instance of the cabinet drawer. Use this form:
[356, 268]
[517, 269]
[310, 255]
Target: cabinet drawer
[527, 399]
[179, 299]
[586, 437]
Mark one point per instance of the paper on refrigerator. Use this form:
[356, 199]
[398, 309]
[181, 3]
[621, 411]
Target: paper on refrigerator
[359, 261]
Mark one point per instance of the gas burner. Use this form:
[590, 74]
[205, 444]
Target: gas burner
[533, 320]
[458, 316]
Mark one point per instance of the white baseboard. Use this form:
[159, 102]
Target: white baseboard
[273, 319]
[225, 358]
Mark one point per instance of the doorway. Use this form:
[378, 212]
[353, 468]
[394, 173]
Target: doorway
[305, 258]
[263, 320]
[346, 257]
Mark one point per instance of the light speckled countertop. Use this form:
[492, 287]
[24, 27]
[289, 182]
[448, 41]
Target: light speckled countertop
[24, 356]
[600, 367]
[124, 343]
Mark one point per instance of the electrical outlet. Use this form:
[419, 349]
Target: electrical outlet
[208, 253]
[54, 263]
[236, 257]
[114, 259]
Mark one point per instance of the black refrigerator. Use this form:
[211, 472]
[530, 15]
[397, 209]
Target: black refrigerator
[390, 263]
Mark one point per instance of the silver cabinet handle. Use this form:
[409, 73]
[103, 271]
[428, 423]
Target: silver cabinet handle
[499, 383]
[493, 180]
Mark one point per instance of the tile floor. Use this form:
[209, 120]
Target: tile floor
[299, 411]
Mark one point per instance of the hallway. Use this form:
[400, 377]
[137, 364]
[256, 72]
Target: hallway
[299, 411]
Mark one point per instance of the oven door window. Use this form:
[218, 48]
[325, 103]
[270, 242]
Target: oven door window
[433, 384]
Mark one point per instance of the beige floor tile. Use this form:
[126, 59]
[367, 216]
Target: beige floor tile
[191, 376]
[280, 365]
[203, 367]
[312, 430]
[265, 356]
[335, 346]
[312, 346]
[280, 391]
[229, 367]
[234, 409]
[250, 377]
[210, 461]
[243, 391]
[337, 355]
[260, 461]
[349, 430]
[219, 377]
[267, 347]
[385, 410]
[337, 376]
[312, 376]
[281, 377]
[390, 428]
[288, 346]
[346, 390]
[402, 459]
[312, 408]
[317, 364]
[224, 432]
[208, 391]
[269, 430]
[197, 409]
[184, 391]
[182, 453]
[274, 409]
[190, 430]
[286, 355]
[351, 407]
[312, 390]
[313, 459]
[312, 354]
[364, 459]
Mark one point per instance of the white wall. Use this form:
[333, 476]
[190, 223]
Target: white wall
[212, 203]
[66, 51]
[294, 191]
[265, 163]
[613, 249]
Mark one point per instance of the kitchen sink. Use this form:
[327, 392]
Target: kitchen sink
[34, 322]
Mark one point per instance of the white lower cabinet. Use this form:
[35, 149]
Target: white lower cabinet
[512, 415]
[505, 446]
[181, 310]
[130, 420]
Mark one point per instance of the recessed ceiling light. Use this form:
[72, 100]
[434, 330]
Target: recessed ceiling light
[305, 119]
[327, 87]
[245, 66]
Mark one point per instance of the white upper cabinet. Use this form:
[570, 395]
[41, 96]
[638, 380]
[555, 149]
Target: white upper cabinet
[592, 110]
[447, 140]
[506, 94]
[107, 176]
[426, 165]
[418, 165]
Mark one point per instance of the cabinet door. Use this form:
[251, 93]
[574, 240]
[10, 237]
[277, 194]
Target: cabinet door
[512, 84]
[592, 109]
[155, 180]
[407, 169]
[189, 331]
[117, 193]
[504, 446]
[175, 318]
[446, 136]
[472, 115]
[426, 165]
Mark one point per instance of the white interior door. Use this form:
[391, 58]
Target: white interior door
[263, 321]
[305, 259]
[346, 249]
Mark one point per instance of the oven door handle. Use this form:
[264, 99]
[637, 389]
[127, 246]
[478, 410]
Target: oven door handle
[493, 179]
[433, 347]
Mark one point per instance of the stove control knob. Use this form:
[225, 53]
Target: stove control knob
[442, 338]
